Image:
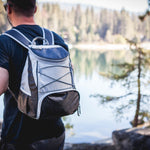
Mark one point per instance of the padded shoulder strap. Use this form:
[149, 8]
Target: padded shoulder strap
[18, 37]
[24, 41]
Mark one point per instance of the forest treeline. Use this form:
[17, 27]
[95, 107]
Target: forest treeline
[78, 24]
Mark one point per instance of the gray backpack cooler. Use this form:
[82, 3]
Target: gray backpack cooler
[47, 87]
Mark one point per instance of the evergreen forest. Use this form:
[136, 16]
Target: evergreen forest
[89, 25]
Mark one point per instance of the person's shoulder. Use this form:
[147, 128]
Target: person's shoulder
[4, 37]
[4, 40]
[57, 36]
[6, 43]
[58, 40]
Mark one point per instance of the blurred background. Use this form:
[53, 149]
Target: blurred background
[109, 45]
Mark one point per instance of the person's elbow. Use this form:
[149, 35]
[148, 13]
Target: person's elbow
[3, 89]
[4, 79]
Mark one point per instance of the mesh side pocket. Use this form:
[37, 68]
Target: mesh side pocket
[27, 104]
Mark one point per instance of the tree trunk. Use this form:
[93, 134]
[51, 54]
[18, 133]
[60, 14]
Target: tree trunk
[135, 121]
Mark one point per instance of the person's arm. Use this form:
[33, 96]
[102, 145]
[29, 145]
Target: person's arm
[4, 63]
[4, 79]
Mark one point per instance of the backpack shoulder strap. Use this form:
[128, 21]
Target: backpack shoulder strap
[24, 41]
[18, 37]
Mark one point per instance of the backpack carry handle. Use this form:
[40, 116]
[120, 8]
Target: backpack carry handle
[45, 41]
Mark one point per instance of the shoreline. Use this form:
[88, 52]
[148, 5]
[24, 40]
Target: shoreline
[106, 47]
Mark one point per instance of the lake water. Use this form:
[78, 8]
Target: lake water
[97, 121]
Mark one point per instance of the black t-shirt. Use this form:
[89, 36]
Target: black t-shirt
[18, 128]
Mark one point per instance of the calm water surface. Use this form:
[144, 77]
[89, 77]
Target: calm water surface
[96, 121]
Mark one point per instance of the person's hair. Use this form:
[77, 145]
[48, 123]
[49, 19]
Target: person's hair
[23, 7]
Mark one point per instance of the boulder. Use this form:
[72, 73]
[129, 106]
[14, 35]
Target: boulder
[132, 139]
[89, 146]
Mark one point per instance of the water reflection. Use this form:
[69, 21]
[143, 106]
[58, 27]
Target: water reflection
[86, 62]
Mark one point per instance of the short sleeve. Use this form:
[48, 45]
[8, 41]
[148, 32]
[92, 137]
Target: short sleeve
[4, 57]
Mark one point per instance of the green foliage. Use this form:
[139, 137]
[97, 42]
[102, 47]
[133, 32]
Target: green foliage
[133, 79]
[67, 123]
[127, 69]
[88, 25]
[1, 6]
[3, 19]
[87, 62]
[119, 39]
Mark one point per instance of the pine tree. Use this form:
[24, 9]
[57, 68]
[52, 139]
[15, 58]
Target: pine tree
[132, 83]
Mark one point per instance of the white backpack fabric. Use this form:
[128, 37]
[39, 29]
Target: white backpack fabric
[47, 86]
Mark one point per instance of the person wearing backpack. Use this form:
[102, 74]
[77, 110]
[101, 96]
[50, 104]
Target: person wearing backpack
[20, 131]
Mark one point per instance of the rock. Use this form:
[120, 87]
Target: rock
[89, 146]
[132, 139]
[105, 144]
[127, 139]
